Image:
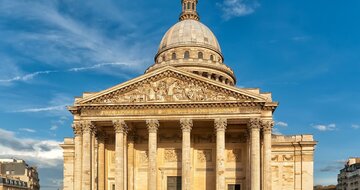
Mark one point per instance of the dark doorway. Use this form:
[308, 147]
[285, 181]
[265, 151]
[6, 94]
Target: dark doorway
[234, 187]
[174, 183]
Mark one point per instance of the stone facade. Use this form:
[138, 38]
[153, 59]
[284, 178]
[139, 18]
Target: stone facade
[183, 125]
[349, 177]
[19, 169]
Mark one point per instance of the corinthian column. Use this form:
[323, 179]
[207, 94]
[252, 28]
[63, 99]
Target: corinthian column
[254, 126]
[120, 129]
[267, 128]
[88, 129]
[101, 162]
[186, 125]
[78, 154]
[152, 126]
[220, 127]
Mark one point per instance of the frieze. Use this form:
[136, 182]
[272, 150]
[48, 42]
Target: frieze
[179, 110]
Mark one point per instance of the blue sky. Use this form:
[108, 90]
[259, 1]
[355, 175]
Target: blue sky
[305, 52]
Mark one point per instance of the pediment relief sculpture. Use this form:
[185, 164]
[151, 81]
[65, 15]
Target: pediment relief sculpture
[168, 89]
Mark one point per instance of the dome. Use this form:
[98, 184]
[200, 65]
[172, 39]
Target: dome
[189, 33]
[191, 46]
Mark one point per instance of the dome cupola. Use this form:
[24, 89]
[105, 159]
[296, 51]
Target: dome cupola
[192, 46]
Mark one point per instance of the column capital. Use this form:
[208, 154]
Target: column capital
[120, 126]
[186, 125]
[267, 125]
[152, 125]
[77, 128]
[220, 124]
[87, 126]
[254, 123]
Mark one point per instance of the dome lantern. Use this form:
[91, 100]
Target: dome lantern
[189, 10]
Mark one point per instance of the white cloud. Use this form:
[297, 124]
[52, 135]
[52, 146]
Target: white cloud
[72, 41]
[330, 127]
[54, 127]
[276, 131]
[281, 124]
[355, 126]
[27, 130]
[42, 109]
[43, 153]
[237, 8]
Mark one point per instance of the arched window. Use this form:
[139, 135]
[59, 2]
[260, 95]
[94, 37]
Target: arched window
[186, 55]
[163, 58]
[211, 57]
[184, 7]
[193, 6]
[200, 55]
[188, 5]
[173, 56]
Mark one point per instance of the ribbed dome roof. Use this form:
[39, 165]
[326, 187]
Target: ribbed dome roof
[189, 33]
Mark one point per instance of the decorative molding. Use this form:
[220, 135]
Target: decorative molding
[87, 127]
[172, 155]
[152, 125]
[120, 126]
[254, 123]
[186, 125]
[77, 128]
[220, 124]
[267, 126]
[204, 155]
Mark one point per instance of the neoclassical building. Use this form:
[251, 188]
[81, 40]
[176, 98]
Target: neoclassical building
[183, 125]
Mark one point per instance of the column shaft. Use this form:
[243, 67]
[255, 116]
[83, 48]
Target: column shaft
[131, 162]
[220, 127]
[86, 162]
[120, 129]
[186, 125]
[267, 128]
[125, 160]
[153, 126]
[254, 126]
[78, 155]
[101, 165]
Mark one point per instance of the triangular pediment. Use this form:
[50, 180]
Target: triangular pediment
[170, 84]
